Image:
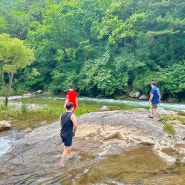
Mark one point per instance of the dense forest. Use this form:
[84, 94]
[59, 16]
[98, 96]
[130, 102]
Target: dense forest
[103, 47]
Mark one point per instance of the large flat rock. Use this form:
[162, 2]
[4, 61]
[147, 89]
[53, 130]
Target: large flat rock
[35, 158]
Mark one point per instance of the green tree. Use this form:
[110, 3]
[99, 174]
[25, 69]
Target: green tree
[172, 79]
[102, 76]
[119, 23]
[70, 37]
[14, 56]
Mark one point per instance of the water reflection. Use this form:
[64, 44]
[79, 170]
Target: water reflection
[137, 167]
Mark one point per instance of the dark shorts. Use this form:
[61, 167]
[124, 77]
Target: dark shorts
[154, 105]
[67, 139]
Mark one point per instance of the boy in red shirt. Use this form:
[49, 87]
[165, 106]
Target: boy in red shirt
[71, 96]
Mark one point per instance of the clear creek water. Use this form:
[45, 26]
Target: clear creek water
[137, 167]
[7, 140]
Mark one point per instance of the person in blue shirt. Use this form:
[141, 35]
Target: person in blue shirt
[154, 100]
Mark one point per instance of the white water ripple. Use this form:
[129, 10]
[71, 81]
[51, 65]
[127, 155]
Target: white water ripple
[170, 106]
[6, 142]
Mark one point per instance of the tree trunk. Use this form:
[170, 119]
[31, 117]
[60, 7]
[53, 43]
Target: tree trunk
[6, 101]
[172, 47]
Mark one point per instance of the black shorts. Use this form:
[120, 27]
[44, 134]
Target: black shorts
[67, 139]
[154, 105]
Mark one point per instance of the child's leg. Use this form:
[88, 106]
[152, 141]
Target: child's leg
[63, 159]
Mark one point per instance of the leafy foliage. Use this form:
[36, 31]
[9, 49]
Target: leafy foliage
[101, 74]
[100, 46]
[174, 78]
[14, 56]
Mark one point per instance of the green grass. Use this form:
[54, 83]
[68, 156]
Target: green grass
[51, 109]
[175, 117]
[48, 112]
[167, 126]
[181, 113]
[179, 117]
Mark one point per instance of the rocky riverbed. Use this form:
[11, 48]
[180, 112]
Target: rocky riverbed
[35, 158]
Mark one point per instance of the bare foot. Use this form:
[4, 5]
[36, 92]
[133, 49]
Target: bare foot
[71, 156]
[62, 165]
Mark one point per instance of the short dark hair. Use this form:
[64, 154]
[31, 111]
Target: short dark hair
[69, 105]
[153, 83]
[71, 86]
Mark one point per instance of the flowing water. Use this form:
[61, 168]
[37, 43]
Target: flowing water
[7, 140]
[169, 106]
[137, 103]
[137, 167]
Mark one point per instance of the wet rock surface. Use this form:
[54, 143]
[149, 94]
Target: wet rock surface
[35, 158]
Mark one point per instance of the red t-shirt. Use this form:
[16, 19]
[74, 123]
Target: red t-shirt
[71, 96]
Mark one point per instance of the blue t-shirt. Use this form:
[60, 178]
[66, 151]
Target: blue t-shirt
[156, 98]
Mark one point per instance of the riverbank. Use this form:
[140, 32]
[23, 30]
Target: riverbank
[25, 114]
[102, 140]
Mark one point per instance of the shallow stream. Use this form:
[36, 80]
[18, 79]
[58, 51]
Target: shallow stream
[7, 139]
[136, 167]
